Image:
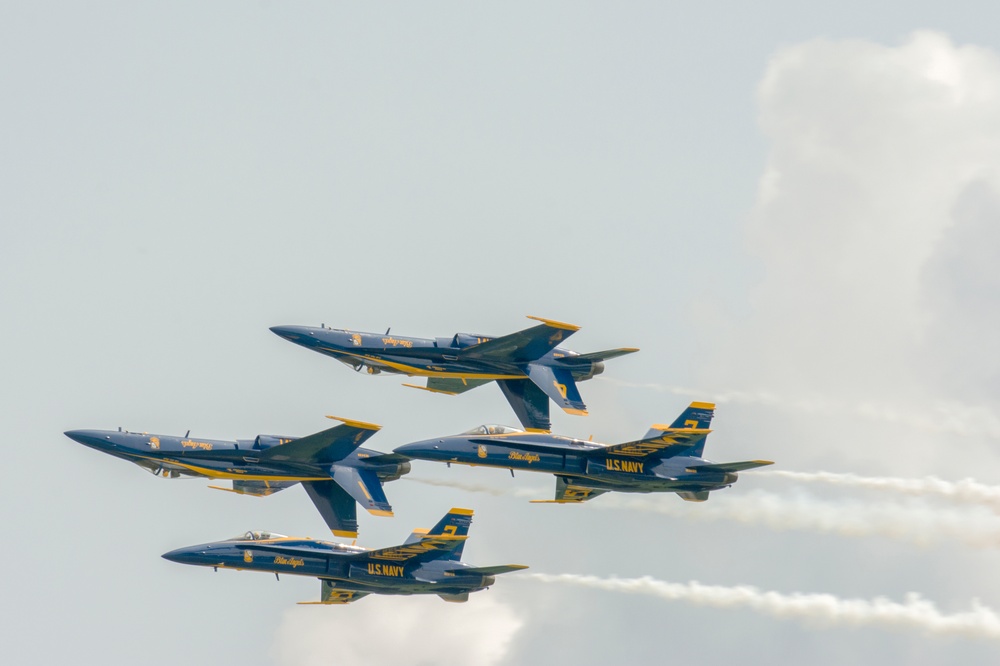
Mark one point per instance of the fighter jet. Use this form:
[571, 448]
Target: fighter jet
[330, 465]
[666, 459]
[527, 365]
[429, 562]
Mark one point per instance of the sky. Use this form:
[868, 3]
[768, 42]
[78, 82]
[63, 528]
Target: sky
[793, 211]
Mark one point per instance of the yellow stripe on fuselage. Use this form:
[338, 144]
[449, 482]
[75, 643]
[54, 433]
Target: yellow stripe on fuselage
[414, 371]
[216, 474]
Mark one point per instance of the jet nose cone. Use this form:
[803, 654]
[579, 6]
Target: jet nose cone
[93, 438]
[424, 449]
[292, 333]
[182, 556]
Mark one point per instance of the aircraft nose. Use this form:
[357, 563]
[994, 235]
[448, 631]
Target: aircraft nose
[97, 439]
[292, 333]
[425, 449]
[184, 555]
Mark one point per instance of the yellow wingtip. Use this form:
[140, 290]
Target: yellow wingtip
[575, 412]
[381, 512]
[355, 424]
[556, 324]
[346, 534]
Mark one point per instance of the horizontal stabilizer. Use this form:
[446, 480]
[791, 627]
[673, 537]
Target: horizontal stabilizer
[488, 571]
[730, 467]
[327, 446]
[559, 385]
[601, 355]
[450, 385]
[256, 488]
[524, 346]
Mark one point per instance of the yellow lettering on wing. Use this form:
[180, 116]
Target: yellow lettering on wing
[290, 561]
[523, 457]
[393, 570]
[191, 444]
[628, 466]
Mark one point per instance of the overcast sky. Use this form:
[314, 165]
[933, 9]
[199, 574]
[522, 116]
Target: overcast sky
[794, 212]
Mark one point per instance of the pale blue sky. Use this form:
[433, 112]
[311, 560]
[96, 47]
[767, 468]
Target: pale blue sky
[174, 180]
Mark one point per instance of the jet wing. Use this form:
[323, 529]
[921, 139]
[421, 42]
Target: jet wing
[567, 493]
[450, 386]
[334, 595]
[668, 443]
[324, 447]
[335, 505]
[529, 403]
[599, 355]
[256, 488]
[488, 571]
[730, 467]
[524, 346]
[559, 385]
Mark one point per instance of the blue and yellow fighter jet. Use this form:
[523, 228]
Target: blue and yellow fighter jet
[330, 465]
[527, 365]
[429, 562]
[666, 459]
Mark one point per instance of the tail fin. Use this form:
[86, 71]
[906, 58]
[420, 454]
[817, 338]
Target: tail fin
[698, 415]
[455, 524]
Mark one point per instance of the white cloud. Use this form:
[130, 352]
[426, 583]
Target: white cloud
[872, 148]
[415, 630]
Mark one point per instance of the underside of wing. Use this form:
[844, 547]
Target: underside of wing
[730, 467]
[335, 505]
[527, 345]
[569, 493]
[529, 403]
[331, 595]
[488, 571]
[669, 442]
[450, 386]
[256, 488]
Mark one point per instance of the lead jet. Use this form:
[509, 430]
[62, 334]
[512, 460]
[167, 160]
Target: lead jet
[528, 366]
[336, 473]
[429, 562]
[667, 459]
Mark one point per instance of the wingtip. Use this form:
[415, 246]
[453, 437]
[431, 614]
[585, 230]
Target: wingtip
[355, 424]
[556, 324]
[345, 534]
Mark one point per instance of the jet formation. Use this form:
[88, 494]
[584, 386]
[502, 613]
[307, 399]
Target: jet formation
[428, 562]
[331, 465]
[667, 459]
[338, 473]
[528, 365]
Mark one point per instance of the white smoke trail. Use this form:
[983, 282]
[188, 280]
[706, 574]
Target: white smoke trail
[915, 613]
[968, 491]
[951, 418]
[915, 523]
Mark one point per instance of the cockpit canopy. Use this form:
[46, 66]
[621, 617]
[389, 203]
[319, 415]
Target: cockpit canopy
[257, 536]
[492, 429]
